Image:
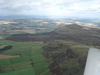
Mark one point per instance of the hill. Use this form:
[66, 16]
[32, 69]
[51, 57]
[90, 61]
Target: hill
[73, 32]
[77, 33]
[65, 48]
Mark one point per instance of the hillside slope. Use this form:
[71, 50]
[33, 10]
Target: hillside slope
[66, 58]
[74, 32]
[77, 33]
[67, 48]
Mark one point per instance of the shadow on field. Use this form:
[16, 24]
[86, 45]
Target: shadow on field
[6, 48]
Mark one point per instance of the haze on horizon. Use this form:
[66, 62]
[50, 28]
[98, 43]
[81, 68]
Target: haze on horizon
[51, 8]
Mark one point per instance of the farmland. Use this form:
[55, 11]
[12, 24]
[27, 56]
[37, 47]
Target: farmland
[7, 56]
[30, 59]
[42, 47]
[33, 26]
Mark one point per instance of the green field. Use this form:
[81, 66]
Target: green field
[4, 62]
[20, 59]
[28, 71]
[30, 63]
[62, 52]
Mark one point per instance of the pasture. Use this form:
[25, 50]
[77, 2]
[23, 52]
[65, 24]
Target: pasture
[30, 61]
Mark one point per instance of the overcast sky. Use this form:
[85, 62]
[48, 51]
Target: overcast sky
[79, 8]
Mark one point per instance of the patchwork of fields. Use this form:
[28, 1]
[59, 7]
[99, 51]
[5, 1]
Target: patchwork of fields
[38, 47]
[30, 61]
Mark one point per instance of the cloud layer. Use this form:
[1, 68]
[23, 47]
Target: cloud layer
[50, 7]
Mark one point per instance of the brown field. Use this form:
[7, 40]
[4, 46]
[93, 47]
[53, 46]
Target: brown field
[1, 38]
[63, 23]
[7, 56]
[31, 31]
[6, 22]
[2, 46]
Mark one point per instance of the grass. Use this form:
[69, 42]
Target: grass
[19, 59]
[4, 62]
[7, 34]
[17, 66]
[47, 72]
[40, 67]
[28, 71]
[30, 52]
[23, 48]
[39, 63]
[72, 61]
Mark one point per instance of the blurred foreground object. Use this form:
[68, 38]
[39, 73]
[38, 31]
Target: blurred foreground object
[93, 62]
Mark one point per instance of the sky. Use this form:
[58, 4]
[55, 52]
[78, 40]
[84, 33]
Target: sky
[61, 8]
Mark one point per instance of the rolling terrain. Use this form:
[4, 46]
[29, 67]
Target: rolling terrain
[64, 50]
[67, 48]
[72, 32]
[24, 58]
[46, 46]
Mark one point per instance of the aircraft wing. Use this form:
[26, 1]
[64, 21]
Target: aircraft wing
[93, 62]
